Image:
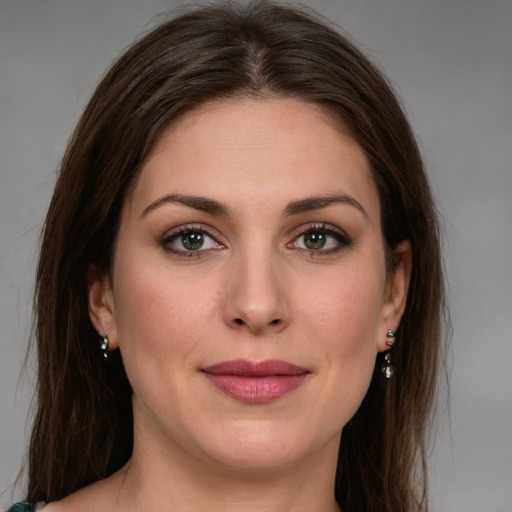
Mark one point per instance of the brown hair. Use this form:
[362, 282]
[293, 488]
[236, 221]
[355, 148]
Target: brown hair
[83, 424]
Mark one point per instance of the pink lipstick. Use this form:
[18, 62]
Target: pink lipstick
[256, 382]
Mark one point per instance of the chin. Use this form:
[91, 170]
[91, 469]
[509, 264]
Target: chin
[264, 446]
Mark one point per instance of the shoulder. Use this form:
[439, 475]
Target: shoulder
[92, 497]
[25, 506]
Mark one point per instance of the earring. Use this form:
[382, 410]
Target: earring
[104, 346]
[387, 370]
[391, 338]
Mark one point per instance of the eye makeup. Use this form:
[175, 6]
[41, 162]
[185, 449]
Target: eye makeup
[197, 240]
[190, 240]
[321, 240]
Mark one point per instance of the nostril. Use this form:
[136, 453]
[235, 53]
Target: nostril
[239, 321]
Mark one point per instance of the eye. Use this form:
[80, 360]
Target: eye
[321, 239]
[316, 241]
[189, 240]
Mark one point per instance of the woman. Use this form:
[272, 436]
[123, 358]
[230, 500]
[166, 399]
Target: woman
[241, 229]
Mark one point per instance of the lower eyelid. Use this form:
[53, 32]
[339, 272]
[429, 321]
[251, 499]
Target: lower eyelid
[340, 244]
[342, 240]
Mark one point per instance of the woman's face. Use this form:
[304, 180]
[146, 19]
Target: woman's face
[249, 294]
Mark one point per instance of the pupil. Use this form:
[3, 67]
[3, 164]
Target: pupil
[192, 241]
[315, 240]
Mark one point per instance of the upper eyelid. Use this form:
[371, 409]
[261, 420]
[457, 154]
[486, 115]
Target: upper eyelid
[322, 226]
[203, 228]
[216, 235]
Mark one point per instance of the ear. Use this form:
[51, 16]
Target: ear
[395, 295]
[101, 306]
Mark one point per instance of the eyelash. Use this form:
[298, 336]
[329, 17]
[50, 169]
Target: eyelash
[342, 239]
[170, 237]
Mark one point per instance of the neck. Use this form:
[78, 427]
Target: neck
[226, 491]
[169, 480]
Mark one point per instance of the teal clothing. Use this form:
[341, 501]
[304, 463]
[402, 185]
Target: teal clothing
[22, 507]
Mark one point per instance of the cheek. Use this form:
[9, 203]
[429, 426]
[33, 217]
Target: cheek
[160, 323]
[159, 320]
[344, 322]
[346, 309]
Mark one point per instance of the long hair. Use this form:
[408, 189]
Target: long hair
[83, 423]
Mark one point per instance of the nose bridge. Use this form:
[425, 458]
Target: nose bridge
[256, 296]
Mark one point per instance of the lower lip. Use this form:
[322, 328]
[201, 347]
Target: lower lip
[256, 390]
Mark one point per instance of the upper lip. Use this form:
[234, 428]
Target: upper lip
[247, 368]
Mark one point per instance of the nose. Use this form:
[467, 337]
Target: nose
[256, 298]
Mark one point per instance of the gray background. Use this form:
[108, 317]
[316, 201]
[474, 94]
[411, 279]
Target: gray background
[452, 63]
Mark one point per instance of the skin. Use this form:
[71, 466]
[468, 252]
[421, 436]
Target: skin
[255, 290]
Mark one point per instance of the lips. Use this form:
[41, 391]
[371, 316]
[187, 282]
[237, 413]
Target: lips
[256, 382]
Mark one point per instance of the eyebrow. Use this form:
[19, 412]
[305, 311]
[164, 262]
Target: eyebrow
[317, 203]
[203, 204]
[213, 207]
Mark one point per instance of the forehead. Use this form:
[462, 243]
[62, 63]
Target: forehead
[238, 148]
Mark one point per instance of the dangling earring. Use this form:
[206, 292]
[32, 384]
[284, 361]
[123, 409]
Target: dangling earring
[387, 370]
[104, 346]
